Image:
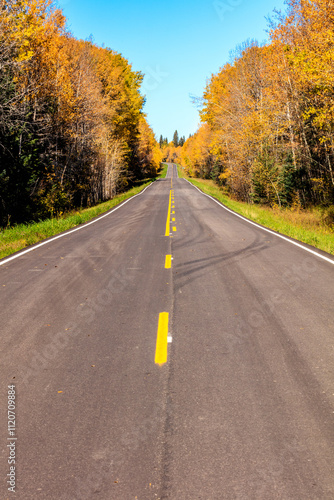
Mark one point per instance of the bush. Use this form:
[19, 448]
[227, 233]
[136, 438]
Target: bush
[328, 216]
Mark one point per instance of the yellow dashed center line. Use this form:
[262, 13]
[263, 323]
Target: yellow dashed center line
[168, 262]
[168, 214]
[162, 334]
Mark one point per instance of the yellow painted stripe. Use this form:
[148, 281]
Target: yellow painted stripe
[168, 262]
[173, 212]
[161, 346]
[168, 215]
[173, 219]
[174, 228]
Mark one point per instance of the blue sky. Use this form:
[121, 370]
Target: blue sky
[177, 45]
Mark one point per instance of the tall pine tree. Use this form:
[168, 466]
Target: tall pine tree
[176, 139]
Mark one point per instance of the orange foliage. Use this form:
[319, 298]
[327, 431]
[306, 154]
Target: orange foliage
[268, 116]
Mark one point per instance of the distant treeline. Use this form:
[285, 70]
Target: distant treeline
[171, 151]
[72, 127]
[268, 115]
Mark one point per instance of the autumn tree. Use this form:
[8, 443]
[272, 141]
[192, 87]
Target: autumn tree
[305, 37]
[72, 127]
[270, 113]
[149, 152]
[31, 38]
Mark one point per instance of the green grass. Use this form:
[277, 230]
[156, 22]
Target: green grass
[163, 172]
[303, 225]
[20, 236]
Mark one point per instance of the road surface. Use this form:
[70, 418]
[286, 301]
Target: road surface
[243, 408]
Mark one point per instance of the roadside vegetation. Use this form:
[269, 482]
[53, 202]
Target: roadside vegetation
[305, 225]
[267, 115]
[163, 171]
[73, 130]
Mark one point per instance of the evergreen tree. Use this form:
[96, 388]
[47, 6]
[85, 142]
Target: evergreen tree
[176, 139]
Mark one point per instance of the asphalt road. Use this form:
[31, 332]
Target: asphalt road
[242, 409]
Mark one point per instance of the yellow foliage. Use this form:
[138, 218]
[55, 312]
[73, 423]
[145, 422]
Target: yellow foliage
[149, 152]
[84, 101]
[271, 109]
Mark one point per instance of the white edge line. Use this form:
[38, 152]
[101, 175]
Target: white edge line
[45, 242]
[264, 228]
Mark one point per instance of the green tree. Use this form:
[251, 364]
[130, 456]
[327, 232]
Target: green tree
[176, 139]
